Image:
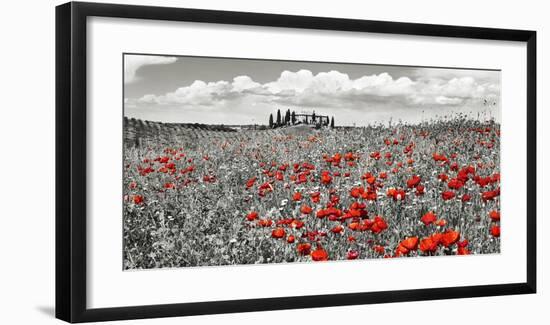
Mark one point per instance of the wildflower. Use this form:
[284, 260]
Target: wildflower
[305, 209]
[278, 233]
[138, 199]
[495, 231]
[319, 255]
[303, 248]
[352, 255]
[252, 216]
[447, 195]
[428, 218]
[494, 215]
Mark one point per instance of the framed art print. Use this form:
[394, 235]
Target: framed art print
[207, 160]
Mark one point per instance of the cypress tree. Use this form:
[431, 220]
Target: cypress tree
[271, 120]
[278, 117]
[287, 116]
[293, 118]
[332, 122]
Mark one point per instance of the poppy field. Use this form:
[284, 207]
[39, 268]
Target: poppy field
[210, 197]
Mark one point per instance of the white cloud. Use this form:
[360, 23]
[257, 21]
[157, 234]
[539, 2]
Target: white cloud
[296, 81]
[132, 63]
[241, 83]
[332, 89]
[198, 93]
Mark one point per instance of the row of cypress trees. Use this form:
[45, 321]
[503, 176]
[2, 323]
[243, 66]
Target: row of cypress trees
[289, 119]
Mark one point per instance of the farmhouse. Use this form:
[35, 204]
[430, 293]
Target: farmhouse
[312, 118]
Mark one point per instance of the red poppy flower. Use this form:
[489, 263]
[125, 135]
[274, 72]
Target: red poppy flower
[138, 199]
[443, 177]
[379, 225]
[428, 245]
[349, 156]
[278, 233]
[489, 195]
[321, 214]
[303, 248]
[356, 192]
[251, 182]
[436, 237]
[252, 216]
[297, 224]
[420, 189]
[411, 243]
[379, 249]
[352, 255]
[438, 157]
[290, 239]
[441, 222]
[319, 255]
[337, 229]
[401, 250]
[463, 243]
[169, 185]
[297, 196]
[315, 197]
[306, 209]
[428, 218]
[495, 231]
[366, 225]
[462, 247]
[466, 197]
[413, 181]
[396, 194]
[354, 225]
[326, 178]
[265, 223]
[447, 195]
[494, 215]
[483, 181]
[356, 213]
[450, 237]
[284, 222]
[454, 166]
[351, 239]
[370, 195]
[132, 185]
[302, 178]
[455, 184]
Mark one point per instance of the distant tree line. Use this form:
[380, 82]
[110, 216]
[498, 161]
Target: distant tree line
[290, 118]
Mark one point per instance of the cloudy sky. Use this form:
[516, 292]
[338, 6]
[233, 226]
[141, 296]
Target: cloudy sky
[243, 91]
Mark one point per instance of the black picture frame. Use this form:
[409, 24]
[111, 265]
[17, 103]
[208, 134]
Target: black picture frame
[71, 160]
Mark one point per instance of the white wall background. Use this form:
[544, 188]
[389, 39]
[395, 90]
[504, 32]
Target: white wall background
[27, 161]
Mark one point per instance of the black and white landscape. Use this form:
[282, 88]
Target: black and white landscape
[240, 161]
